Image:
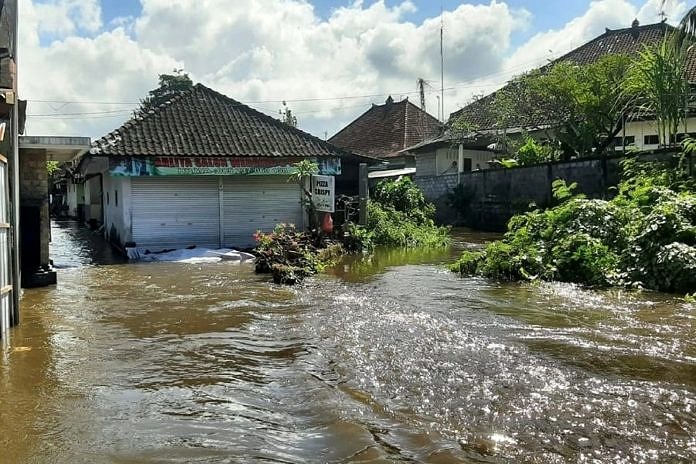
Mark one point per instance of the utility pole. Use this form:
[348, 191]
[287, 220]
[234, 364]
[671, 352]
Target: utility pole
[442, 60]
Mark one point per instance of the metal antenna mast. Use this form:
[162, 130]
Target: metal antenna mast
[662, 14]
[421, 116]
[442, 60]
[421, 90]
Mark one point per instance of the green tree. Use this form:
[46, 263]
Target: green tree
[583, 106]
[170, 85]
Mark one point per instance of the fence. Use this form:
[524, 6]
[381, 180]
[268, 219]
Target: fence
[495, 195]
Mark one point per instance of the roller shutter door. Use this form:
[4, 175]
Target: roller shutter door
[175, 212]
[257, 203]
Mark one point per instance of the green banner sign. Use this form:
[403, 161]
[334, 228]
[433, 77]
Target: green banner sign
[214, 166]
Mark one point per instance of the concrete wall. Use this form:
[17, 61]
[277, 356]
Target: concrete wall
[117, 209]
[495, 195]
[443, 161]
[93, 190]
[75, 195]
[33, 192]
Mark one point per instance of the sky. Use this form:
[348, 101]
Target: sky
[85, 64]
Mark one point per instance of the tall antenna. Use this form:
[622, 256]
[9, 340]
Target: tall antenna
[421, 90]
[421, 116]
[442, 60]
[662, 14]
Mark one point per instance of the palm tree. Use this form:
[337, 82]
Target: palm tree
[688, 23]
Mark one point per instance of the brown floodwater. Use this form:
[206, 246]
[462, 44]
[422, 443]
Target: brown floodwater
[384, 359]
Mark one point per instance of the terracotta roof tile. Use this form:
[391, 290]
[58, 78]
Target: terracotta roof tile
[203, 122]
[384, 130]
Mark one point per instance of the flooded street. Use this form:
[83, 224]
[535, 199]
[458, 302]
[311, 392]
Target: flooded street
[392, 359]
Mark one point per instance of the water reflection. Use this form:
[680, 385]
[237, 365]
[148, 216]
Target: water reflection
[391, 359]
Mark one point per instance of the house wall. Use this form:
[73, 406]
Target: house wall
[117, 209]
[34, 203]
[94, 171]
[71, 198]
[443, 161]
[75, 196]
[640, 129]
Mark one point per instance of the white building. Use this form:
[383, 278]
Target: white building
[202, 170]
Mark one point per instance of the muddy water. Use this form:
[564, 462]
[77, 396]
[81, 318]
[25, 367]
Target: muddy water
[390, 359]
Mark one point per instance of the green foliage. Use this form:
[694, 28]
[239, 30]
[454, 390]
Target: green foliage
[303, 171]
[509, 163]
[290, 255]
[658, 86]
[404, 196]
[584, 104]
[467, 263]
[399, 215]
[52, 167]
[644, 237]
[533, 152]
[563, 192]
[357, 238]
[392, 228]
[170, 85]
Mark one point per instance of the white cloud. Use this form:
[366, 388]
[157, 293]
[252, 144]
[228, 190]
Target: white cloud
[279, 49]
[107, 67]
[549, 45]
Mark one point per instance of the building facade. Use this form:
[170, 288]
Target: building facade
[202, 170]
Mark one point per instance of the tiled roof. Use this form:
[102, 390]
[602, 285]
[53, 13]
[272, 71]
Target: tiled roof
[384, 130]
[629, 41]
[203, 122]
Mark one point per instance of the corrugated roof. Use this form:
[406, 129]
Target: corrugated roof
[203, 122]
[628, 41]
[384, 130]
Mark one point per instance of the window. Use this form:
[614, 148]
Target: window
[651, 140]
[116, 197]
[621, 141]
[467, 164]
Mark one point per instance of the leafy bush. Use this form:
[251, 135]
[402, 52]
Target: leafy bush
[399, 216]
[467, 263]
[532, 152]
[404, 196]
[357, 238]
[645, 236]
[393, 228]
[290, 255]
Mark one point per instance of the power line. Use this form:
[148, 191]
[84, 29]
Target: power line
[459, 85]
[79, 114]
